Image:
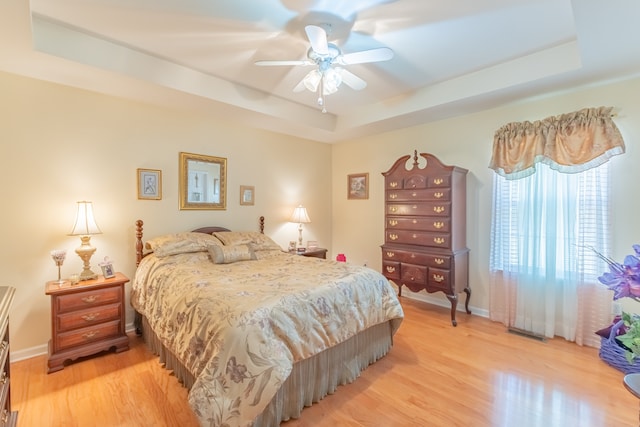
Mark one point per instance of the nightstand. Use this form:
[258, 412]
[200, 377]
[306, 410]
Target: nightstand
[313, 253]
[86, 318]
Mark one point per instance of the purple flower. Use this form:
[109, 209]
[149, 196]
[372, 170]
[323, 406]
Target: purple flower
[623, 279]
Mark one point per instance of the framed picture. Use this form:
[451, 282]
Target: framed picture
[203, 182]
[247, 195]
[107, 268]
[149, 184]
[358, 186]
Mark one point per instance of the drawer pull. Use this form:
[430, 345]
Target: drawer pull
[438, 181]
[413, 256]
[415, 221]
[414, 194]
[414, 236]
[393, 184]
[439, 195]
[439, 261]
[393, 236]
[414, 207]
[5, 416]
[390, 269]
[4, 378]
[438, 225]
[393, 222]
[438, 277]
[391, 254]
[393, 208]
[91, 317]
[91, 299]
[413, 279]
[438, 209]
[393, 196]
[90, 335]
[438, 240]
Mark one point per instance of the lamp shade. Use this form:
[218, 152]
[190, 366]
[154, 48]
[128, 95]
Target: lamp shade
[300, 215]
[85, 224]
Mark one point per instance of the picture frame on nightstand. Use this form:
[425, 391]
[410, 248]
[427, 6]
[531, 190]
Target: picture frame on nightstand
[107, 268]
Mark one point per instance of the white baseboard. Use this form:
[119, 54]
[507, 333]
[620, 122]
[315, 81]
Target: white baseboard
[428, 298]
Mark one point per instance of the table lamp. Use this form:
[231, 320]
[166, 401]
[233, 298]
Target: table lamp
[85, 226]
[300, 217]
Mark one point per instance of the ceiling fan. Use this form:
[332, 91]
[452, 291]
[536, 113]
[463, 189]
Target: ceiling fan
[329, 59]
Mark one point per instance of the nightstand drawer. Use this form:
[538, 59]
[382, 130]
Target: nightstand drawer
[86, 299]
[88, 335]
[92, 316]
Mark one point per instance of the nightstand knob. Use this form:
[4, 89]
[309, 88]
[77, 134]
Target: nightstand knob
[91, 317]
[90, 335]
[91, 299]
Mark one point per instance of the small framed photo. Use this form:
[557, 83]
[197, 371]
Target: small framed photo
[107, 268]
[149, 184]
[247, 195]
[358, 186]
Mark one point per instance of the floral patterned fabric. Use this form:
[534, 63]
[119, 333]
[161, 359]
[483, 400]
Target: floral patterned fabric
[240, 327]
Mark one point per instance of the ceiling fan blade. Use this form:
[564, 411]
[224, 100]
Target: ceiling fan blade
[351, 80]
[318, 39]
[268, 63]
[372, 55]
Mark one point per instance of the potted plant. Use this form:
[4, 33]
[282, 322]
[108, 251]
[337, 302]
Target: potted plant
[624, 280]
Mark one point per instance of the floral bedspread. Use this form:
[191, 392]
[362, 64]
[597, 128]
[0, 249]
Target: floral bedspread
[239, 327]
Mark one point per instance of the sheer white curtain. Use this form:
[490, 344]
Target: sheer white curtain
[543, 272]
[550, 210]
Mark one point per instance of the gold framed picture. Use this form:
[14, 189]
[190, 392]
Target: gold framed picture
[247, 195]
[203, 182]
[358, 186]
[149, 184]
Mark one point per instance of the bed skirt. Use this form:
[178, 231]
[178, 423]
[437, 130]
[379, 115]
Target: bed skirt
[310, 380]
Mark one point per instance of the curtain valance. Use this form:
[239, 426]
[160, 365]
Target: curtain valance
[570, 143]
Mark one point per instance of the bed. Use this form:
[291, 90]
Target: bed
[255, 333]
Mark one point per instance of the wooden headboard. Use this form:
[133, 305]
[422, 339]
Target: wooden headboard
[207, 230]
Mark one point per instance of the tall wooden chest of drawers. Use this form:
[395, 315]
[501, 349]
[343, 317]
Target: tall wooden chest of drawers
[425, 228]
[86, 318]
[8, 417]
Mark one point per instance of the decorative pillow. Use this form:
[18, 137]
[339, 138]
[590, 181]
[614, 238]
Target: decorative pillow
[229, 254]
[179, 243]
[258, 240]
[270, 253]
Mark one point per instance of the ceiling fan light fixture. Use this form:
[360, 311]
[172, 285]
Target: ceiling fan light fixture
[312, 80]
[331, 81]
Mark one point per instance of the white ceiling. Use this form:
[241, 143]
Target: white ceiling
[451, 57]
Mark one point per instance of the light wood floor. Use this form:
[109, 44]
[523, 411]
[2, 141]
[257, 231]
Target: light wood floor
[476, 375]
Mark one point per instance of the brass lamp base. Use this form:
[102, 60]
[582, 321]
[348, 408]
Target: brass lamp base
[85, 251]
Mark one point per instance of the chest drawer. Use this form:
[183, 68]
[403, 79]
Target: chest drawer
[87, 299]
[92, 316]
[420, 208]
[419, 238]
[414, 275]
[439, 224]
[440, 279]
[430, 260]
[88, 335]
[437, 194]
[391, 269]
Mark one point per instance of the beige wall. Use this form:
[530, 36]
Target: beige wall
[466, 142]
[60, 145]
